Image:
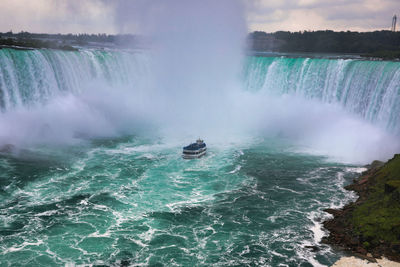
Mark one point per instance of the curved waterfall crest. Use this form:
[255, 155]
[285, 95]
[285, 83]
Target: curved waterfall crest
[34, 76]
[370, 89]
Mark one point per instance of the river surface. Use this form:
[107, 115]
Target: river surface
[133, 201]
[91, 171]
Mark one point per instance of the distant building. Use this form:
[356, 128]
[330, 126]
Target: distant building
[394, 22]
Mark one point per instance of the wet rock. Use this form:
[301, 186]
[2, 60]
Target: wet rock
[333, 212]
[396, 247]
[376, 255]
[361, 250]
[313, 248]
[348, 233]
[354, 241]
[364, 257]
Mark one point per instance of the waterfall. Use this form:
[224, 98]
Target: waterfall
[29, 77]
[370, 89]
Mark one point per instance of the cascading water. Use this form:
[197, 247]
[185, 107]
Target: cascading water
[129, 199]
[56, 96]
[366, 88]
[370, 89]
[32, 77]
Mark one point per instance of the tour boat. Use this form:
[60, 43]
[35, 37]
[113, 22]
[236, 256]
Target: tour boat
[195, 150]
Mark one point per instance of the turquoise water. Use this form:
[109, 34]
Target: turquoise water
[91, 170]
[132, 201]
[367, 88]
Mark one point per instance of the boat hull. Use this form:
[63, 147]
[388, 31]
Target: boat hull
[194, 154]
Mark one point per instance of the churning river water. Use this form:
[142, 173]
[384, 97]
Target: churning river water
[126, 199]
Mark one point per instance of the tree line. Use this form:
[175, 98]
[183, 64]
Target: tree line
[326, 41]
[79, 38]
[384, 44]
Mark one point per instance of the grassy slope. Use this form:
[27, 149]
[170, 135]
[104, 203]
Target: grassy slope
[377, 219]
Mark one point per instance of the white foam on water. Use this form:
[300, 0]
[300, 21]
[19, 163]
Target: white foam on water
[148, 235]
[47, 213]
[237, 168]
[288, 189]
[316, 228]
[97, 234]
[23, 246]
[195, 200]
[348, 195]
[316, 216]
[356, 169]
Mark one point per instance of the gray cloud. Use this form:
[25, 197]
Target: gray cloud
[295, 15]
[99, 16]
[54, 16]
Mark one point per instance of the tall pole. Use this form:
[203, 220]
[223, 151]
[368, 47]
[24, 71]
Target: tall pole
[394, 22]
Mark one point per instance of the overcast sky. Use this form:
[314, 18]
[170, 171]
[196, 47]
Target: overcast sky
[99, 16]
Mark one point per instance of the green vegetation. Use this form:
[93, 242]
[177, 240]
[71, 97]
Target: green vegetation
[64, 41]
[377, 44]
[33, 43]
[387, 55]
[377, 219]
[385, 44]
[79, 38]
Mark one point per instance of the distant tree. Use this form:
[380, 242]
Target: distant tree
[328, 41]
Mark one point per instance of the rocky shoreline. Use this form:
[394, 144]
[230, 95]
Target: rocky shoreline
[370, 227]
[357, 262]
